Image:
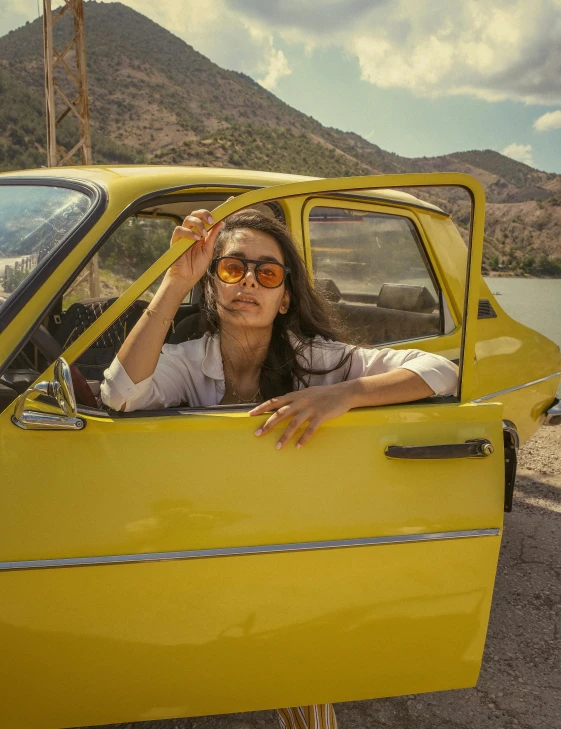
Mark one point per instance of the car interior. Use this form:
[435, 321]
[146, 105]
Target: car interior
[398, 312]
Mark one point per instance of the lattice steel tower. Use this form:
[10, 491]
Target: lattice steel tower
[61, 102]
[72, 59]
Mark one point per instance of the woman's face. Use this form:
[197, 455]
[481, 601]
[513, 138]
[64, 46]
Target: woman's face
[248, 303]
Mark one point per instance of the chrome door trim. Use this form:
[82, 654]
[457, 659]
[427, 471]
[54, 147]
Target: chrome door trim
[33, 564]
[517, 387]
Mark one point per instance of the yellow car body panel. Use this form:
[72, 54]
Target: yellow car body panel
[176, 635]
[157, 566]
[516, 365]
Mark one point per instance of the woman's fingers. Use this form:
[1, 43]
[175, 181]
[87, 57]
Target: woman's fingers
[182, 232]
[273, 404]
[297, 419]
[280, 415]
[193, 226]
[292, 427]
[195, 223]
[206, 242]
[307, 434]
[203, 215]
[314, 405]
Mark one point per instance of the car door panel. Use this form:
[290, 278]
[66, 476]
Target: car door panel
[163, 566]
[157, 490]
[135, 642]
[181, 634]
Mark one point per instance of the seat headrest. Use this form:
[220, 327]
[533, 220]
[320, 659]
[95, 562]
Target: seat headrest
[406, 297]
[328, 288]
[188, 328]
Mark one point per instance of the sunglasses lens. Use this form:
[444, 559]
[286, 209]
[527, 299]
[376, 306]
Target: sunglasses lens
[230, 270]
[270, 275]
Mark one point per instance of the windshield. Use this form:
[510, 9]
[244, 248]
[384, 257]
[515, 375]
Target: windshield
[34, 220]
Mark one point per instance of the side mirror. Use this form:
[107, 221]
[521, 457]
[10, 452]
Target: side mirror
[62, 391]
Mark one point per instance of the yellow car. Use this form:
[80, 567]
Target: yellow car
[161, 564]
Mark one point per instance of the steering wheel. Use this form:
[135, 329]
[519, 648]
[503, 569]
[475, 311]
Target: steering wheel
[51, 349]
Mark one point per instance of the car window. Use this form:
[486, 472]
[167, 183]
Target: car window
[373, 268]
[34, 221]
[124, 256]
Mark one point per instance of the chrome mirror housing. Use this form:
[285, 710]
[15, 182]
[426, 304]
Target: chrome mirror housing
[63, 389]
[59, 389]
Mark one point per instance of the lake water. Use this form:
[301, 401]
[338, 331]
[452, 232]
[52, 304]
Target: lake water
[535, 302]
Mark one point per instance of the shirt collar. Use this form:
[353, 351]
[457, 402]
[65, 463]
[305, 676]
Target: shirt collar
[212, 365]
[212, 362]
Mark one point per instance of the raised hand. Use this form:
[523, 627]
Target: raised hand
[191, 266]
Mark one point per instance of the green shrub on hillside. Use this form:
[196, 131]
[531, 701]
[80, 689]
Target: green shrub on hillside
[136, 245]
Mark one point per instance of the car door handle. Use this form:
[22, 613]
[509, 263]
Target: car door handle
[479, 448]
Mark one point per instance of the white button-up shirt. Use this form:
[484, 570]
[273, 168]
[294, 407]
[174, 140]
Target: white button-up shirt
[192, 373]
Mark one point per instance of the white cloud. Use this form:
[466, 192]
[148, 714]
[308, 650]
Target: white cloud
[497, 50]
[494, 50]
[278, 67]
[520, 152]
[549, 121]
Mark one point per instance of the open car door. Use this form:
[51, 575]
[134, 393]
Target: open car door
[167, 564]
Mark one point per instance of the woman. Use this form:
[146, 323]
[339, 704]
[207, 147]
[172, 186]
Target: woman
[269, 341]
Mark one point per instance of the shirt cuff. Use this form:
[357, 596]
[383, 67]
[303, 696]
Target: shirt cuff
[441, 377]
[118, 388]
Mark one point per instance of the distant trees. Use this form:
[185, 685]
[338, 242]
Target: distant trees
[135, 245]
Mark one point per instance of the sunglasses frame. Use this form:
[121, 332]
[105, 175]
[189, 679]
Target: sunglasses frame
[245, 261]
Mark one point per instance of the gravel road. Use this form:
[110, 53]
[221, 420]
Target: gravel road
[520, 682]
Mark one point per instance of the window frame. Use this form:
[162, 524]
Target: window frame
[99, 200]
[161, 195]
[176, 220]
[327, 188]
[425, 251]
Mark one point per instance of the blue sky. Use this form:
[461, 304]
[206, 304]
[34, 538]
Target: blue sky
[416, 77]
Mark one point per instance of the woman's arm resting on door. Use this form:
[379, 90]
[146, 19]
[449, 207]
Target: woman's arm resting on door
[316, 405]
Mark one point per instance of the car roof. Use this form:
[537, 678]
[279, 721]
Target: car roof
[177, 175]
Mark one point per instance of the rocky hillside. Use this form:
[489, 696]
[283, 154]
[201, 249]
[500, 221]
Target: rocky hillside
[155, 99]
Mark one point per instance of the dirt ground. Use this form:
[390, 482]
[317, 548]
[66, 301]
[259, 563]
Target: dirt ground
[520, 682]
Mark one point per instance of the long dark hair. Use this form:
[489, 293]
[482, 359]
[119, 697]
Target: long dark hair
[309, 314]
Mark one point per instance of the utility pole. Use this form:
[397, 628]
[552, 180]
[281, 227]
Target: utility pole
[59, 101]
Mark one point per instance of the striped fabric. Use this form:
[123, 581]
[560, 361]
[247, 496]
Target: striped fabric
[316, 716]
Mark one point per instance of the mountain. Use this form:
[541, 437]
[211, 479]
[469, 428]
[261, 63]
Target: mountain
[153, 98]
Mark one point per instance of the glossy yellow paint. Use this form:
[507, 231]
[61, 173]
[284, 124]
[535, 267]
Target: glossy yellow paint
[129, 642]
[136, 452]
[510, 356]
[106, 645]
[220, 634]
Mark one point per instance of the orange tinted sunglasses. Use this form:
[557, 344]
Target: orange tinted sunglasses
[231, 270]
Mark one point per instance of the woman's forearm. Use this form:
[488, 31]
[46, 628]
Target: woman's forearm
[316, 405]
[141, 350]
[399, 385]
